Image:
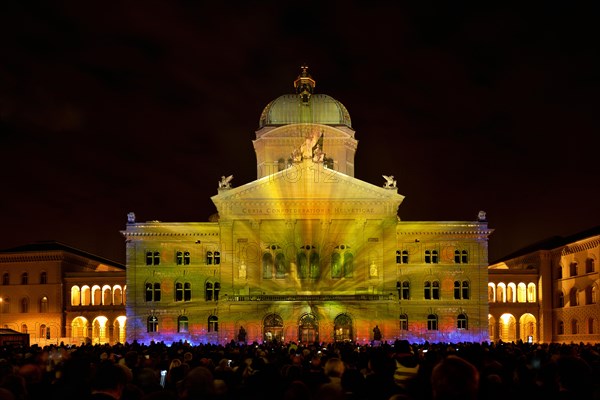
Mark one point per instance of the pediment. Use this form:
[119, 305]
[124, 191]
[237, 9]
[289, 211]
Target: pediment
[307, 188]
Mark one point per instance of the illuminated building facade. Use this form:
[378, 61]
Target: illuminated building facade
[57, 293]
[547, 292]
[306, 252]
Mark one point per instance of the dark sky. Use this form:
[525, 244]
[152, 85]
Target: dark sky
[111, 107]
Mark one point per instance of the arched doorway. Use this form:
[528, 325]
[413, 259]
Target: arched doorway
[79, 330]
[342, 328]
[100, 330]
[308, 329]
[508, 328]
[273, 328]
[528, 326]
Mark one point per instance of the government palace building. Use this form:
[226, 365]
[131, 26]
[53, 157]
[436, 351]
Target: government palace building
[307, 252]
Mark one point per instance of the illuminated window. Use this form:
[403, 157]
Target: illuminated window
[403, 322]
[342, 263]
[152, 324]
[461, 290]
[75, 296]
[44, 304]
[402, 257]
[152, 258]
[531, 295]
[432, 322]
[24, 278]
[182, 324]
[431, 257]
[342, 328]
[589, 266]
[521, 292]
[5, 279]
[213, 324]
[43, 278]
[573, 269]
[461, 322]
[461, 257]
[153, 291]
[491, 292]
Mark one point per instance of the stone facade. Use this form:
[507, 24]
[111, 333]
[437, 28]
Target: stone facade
[306, 252]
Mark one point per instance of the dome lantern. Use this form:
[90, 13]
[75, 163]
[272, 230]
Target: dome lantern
[304, 84]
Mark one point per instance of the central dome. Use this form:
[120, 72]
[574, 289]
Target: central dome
[304, 107]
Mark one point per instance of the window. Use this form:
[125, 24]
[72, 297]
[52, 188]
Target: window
[589, 266]
[432, 290]
[574, 327]
[280, 266]
[461, 322]
[461, 257]
[432, 322]
[431, 257]
[402, 257]
[152, 291]
[152, 324]
[24, 278]
[403, 290]
[403, 322]
[573, 298]
[152, 258]
[44, 305]
[6, 279]
[183, 291]
[531, 295]
[178, 291]
[43, 278]
[209, 258]
[342, 264]
[521, 292]
[182, 324]
[212, 291]
[591, 325]
[561, 299]
[44, 331]
[217, 257]
[24, 305]
[560, 328]
[213, 324]
[182, 258]
[461, 290]
[5, 305]
[491, 293]
[559, 273]
[573, 269]
[267, 265]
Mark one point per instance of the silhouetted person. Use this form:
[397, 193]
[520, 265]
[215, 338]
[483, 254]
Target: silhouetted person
[108, 381]
[454, 378]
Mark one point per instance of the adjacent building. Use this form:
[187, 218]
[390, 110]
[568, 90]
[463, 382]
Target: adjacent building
[57, 293]
[306, 252]
[547, 292]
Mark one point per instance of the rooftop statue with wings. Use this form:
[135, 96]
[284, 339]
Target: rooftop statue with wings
[390, 182]
[225, 182]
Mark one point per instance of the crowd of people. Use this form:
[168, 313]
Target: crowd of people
[292, 371]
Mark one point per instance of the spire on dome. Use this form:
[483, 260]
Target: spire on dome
[304, 84]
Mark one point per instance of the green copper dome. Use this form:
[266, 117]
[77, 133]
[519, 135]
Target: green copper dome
[305, 107]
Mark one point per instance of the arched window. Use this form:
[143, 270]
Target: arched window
[44, 332]
[178, 291]
[267, 265]
[217, 257]
[405, 290]
[511, 292]
[402, 257]
[573, 269]
[522, 293]
[574, 327]
[117, 295]
[403, 322]
[501, 292]
[213, 323]
[302, 263]
[591, 323]
[24, 278]
[589, 266]
[43, 278]
[348, 265]
[273, 328]
[5, 279]
[209, 258]
[561, 299]
[24, 305]
[182, 324]
[315, 269]
[75, 296]
[431, 257]
[280, 267]
[186, 258]
[531, 295]
[432, 322]
[336, 265]
[573, 298]
[342, 328]
[590, 295]
[560, 327]
[461, 290]
[212, 291]
[491, 292]
[432, 290]
[152, 324]
[187, 291]
[153, 291]
[461, 257]
[461, 322]
[44, 304]
[106, 295]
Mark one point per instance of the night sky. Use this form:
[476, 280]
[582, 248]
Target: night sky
[111, 107]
